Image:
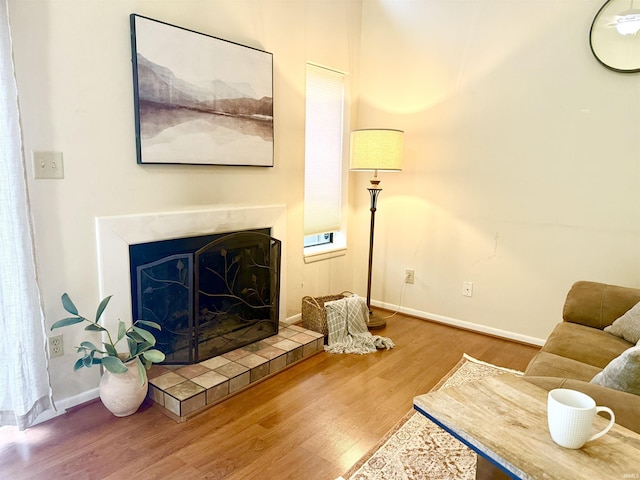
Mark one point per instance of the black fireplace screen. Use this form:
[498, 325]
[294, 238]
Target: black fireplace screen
[211, 294]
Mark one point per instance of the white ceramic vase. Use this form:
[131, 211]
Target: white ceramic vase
[122, 393]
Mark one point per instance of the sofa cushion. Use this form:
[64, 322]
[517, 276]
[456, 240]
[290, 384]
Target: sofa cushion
[597, 304]
[623, 373]
[627, 326]
[584, 344]
[547, 364]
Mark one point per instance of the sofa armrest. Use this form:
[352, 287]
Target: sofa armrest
[598, 305]
[624, 405]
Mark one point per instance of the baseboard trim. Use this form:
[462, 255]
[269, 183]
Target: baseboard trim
[67, 404]
[297, 318]
[454, 322]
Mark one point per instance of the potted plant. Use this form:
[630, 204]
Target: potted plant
[123, 385]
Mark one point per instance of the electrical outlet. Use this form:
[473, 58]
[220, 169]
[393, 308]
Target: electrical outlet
[409, 276]
[467, 289]
[56, 348]
[48, 165]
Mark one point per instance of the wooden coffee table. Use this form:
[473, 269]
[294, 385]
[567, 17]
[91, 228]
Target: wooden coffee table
[504, 420]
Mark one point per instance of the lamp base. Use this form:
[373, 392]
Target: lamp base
[376, 322]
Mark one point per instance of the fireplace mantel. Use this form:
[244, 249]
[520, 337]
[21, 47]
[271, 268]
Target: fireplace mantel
[115, 233]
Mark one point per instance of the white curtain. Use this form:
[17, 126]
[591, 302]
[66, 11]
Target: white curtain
[24, 380]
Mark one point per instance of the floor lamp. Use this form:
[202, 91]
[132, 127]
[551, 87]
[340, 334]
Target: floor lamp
[373, 150]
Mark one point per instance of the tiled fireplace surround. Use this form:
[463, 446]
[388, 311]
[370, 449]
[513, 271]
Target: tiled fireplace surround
[182, 391]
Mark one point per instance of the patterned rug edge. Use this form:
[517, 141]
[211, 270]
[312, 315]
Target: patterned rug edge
[479, 362]
[465, 358]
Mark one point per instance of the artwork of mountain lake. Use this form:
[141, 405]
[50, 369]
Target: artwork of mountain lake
[200, 99]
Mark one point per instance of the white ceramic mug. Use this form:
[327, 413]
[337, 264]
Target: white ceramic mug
[570, 414]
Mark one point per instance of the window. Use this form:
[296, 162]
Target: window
[324, 195]
[315, 240]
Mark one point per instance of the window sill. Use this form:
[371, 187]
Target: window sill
[323, 252]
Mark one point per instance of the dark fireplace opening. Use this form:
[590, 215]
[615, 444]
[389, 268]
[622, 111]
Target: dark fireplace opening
[211, 294]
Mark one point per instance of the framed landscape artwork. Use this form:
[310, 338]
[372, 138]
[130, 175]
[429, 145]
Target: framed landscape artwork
[199, 99]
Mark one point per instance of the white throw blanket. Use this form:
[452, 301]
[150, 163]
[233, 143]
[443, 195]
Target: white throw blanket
[347, 327]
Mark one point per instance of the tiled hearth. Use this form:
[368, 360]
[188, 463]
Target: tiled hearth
[182, 391]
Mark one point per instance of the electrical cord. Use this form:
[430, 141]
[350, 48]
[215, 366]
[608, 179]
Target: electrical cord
[404, 283]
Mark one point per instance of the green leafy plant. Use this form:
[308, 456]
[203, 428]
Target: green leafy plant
[140, 341]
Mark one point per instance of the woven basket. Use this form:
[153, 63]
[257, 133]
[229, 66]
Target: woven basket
[314, 315]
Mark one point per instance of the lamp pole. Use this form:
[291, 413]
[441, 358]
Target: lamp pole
[375, 321]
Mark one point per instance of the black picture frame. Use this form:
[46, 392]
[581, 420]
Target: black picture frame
[199, 99]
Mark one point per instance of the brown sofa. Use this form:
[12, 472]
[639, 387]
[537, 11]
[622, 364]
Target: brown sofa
[578, 348]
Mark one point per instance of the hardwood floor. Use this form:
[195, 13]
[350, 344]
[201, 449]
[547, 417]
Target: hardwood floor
[312, 421]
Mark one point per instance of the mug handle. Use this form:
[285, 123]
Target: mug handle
[608, 427]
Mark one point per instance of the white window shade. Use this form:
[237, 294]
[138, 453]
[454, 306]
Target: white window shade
[323, 150]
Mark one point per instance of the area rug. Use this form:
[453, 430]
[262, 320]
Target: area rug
[416, 448]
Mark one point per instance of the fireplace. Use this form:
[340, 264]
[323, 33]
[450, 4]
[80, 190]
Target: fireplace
[115, 235]
[210, 294]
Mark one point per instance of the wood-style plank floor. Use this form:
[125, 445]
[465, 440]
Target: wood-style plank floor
[312, 421]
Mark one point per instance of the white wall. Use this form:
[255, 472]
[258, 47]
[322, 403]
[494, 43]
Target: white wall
[73, 68]
[522, 161]
[522, 166]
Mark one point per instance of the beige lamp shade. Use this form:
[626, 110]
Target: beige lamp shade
[376, 149]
